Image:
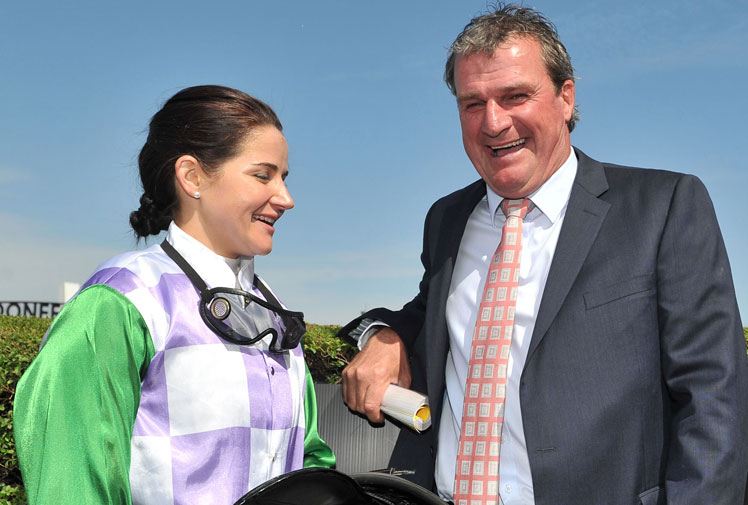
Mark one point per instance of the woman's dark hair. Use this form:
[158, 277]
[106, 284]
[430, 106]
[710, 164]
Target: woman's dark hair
[208, 122]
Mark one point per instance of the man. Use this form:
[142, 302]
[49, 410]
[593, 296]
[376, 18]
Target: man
[626, 379]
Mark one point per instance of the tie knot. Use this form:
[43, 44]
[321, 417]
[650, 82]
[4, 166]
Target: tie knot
[516, 208]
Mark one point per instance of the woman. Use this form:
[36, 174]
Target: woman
[174, 375]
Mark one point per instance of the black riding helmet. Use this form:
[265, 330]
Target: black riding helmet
[322, 486]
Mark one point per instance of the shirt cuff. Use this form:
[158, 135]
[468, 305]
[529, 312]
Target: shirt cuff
[365, 329]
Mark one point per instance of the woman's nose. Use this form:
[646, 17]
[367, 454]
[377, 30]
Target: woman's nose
[283, 198]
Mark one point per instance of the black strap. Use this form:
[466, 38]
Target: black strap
[186, 267]
[199, 283]
[266, 292]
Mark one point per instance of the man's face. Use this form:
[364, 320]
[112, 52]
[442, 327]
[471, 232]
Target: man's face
[513, 121]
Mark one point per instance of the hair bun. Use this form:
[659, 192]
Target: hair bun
[148, 219]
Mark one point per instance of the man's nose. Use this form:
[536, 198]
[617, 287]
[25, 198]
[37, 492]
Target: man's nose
[496, 119]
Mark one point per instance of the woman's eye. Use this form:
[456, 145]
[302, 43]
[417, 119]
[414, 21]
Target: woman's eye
[262, 176]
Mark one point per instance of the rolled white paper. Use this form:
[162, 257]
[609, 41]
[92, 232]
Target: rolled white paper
[410, 408]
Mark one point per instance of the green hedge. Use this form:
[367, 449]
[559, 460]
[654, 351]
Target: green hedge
[19, 341]
[326, 355]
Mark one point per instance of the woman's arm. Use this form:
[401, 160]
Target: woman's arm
[75, 406]
[316, 451]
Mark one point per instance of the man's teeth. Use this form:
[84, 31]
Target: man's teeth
[265, 219]
[508, 146]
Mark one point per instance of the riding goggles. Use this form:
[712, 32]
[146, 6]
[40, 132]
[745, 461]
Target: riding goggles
[241, 317]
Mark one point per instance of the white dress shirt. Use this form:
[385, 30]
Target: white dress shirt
[215, 270]
[540, 233]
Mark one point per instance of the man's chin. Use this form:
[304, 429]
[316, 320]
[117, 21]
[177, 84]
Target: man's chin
[508, 185]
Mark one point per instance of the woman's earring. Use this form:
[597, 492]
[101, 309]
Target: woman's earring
[196, 194]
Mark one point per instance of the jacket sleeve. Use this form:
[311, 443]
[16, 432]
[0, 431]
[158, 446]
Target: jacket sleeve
[75, 405]
[704, 362]
[316, 451]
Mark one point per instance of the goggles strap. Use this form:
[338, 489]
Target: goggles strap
[196, 280]
[199, 283]
[266, 293]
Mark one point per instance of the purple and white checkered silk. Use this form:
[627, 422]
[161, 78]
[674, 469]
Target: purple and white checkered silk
[214, 419]
[477, 471]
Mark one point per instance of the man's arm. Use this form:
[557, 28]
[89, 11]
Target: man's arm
[382, 361]
[703, 355]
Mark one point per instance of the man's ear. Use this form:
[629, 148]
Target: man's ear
[568, 94]
[189, 174]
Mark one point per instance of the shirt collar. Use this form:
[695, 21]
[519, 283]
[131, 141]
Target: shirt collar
[214, 269]
[550, 198]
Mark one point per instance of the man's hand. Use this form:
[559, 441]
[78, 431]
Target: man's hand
[382, 361]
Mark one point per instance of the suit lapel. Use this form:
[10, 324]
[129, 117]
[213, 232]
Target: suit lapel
[454, 222]
[584, 216]
[451, 227]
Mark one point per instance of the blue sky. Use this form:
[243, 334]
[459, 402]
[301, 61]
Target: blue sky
[373, 131]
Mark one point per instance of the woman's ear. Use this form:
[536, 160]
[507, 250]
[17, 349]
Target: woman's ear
[189, 174]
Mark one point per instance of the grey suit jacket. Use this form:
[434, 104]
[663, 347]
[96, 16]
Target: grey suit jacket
[635, 388]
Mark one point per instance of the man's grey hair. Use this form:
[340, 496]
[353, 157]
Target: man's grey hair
[484, 33]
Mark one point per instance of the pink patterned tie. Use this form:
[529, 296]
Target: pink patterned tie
[477, 470]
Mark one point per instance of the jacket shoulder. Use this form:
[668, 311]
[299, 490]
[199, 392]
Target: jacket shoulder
[601, 177]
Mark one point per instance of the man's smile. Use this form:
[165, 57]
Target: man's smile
[498, 149]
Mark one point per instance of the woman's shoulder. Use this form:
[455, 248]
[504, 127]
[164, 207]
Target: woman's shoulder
[133, 269]
[150, 281]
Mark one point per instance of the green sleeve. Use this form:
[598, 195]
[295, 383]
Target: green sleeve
[75, 405]
[316, 451]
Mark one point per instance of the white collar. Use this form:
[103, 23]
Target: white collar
[550, 198]
[215, 270]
